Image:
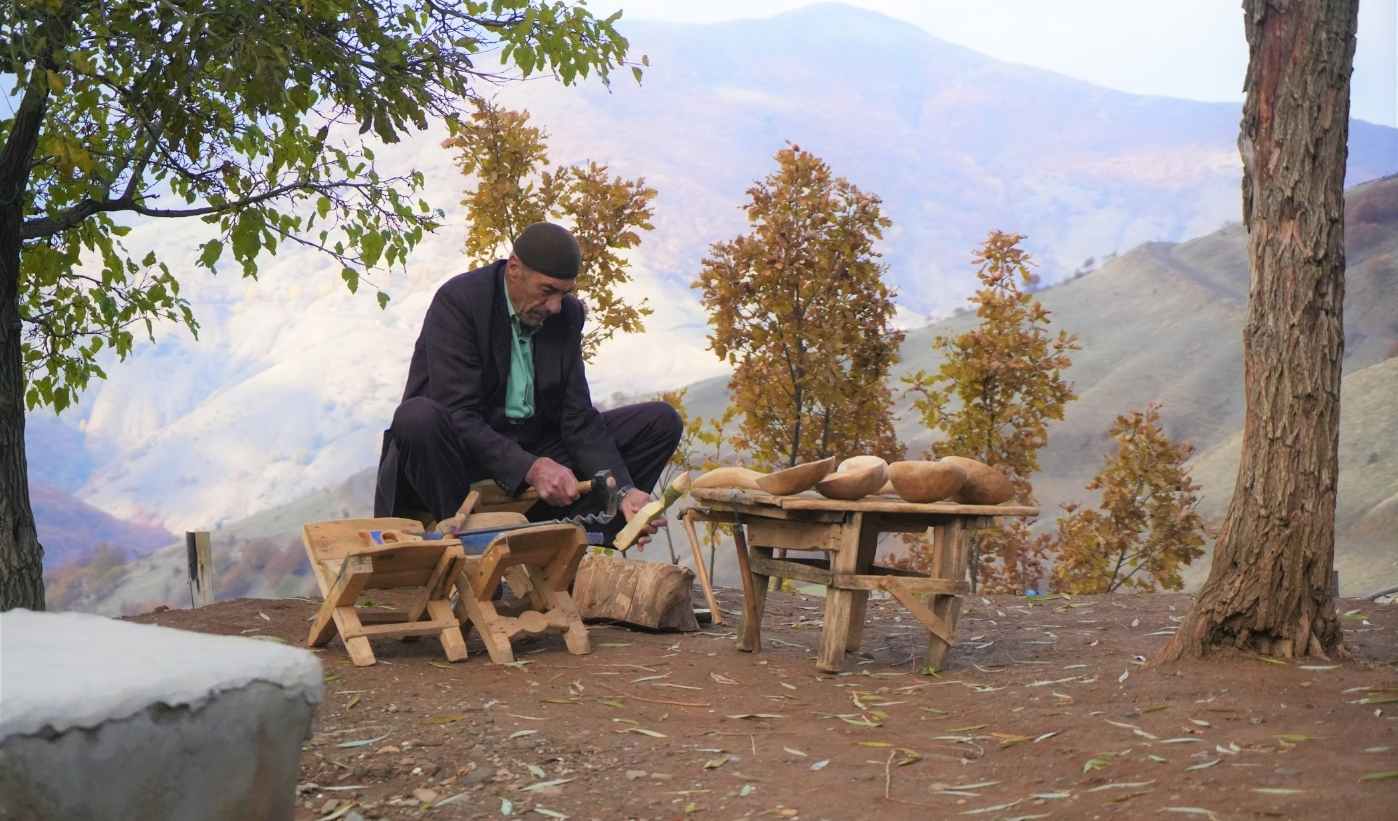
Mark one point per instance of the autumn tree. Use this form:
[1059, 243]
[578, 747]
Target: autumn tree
[1269, 587]
[800, 309]
[1146, 528]
[507, 159]
[998, 387]
[244, 116]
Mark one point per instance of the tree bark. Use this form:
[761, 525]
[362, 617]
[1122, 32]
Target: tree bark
[21, 556]
[1269, 586]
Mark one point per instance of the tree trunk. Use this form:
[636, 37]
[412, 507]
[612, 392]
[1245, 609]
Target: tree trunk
[21, 556]
[1269, 586]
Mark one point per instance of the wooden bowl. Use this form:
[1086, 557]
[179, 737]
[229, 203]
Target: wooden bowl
[984, 484]
[886, 490]
[797, 479]
[924, 482]
[857, 462]
[853, 484]
[728, 477]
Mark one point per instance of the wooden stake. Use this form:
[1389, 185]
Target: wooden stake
[201, 568]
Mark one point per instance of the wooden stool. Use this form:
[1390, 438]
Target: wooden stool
[350, 556]
[538, 563]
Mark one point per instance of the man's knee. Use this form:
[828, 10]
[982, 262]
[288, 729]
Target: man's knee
[420, 420]
[665, 420]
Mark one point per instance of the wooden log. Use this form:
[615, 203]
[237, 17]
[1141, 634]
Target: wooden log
[646, 594]
[201, 568]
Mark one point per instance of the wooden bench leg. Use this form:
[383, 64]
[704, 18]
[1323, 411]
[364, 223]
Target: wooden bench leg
[453, 643]
[715, 614]
[488, 623]
[859, 608]
[347, 622]
[951, 545]
[839, 604]
[354, 574]
[576, 633]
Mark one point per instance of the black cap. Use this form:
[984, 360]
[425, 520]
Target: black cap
[550, 250]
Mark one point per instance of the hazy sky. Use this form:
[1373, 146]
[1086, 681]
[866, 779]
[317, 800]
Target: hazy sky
[1178, 48]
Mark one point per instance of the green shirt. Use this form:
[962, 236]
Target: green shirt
[519, 388]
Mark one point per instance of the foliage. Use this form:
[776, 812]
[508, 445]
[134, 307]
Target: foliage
[992, 398]
[701, 449]
[1146, 523]
[69, 585]
[232, 113]
[506, 156]
[799, 307]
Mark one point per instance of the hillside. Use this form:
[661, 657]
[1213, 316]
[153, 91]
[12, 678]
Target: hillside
[70, 529]
[292, 378]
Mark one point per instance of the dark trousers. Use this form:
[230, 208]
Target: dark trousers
[425, 467]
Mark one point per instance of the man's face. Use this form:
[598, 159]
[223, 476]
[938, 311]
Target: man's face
[536, 297]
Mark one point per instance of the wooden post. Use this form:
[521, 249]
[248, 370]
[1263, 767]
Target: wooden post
[201, 568]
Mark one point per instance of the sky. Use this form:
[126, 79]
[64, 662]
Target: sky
[1177, 48]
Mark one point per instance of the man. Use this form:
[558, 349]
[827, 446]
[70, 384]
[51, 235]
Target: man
[497, 390]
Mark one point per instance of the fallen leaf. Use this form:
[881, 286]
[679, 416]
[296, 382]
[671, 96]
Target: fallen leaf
[873, 744]
[1204, 766]
[1182, 741]
[722, 679]
[995, 808]
[651, 733]
[1297, 737]
[649, 678]
[611, 702]
[506, 807]
[819, 765]
[1319, 666]
[615, 644]
[1256, 657]
[546, 784]
[757, 715]
[1190, 811]
[1047, 736]
[794, 752]
[968, 729]
[362, 742]
[560, 701]
[440, 664]
[277, 639]
[715, 763]
[1277, 791]
[1379, 776]
[745, 791]
[536, 770]
[979, 785]
[521, 734]
[549, 813]
[1157, 708]
[353, 701]
[1125, 785]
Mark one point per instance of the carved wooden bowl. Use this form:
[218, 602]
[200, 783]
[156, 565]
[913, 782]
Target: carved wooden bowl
[729, 477]
[797, 479]
[924, 482]
[984, 484]
[853, 484]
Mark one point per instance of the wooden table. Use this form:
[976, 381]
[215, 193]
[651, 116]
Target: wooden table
[847, 533]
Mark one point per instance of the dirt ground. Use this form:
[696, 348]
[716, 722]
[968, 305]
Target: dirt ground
[1044, 712]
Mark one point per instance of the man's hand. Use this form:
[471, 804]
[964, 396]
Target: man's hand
[555, 483]
[630, 505]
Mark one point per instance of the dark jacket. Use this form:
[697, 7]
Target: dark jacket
[462, 361]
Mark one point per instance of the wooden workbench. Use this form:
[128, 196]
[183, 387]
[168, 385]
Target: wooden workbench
[847, 533]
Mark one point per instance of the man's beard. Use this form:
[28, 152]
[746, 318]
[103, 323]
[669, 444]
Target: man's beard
[533, 319]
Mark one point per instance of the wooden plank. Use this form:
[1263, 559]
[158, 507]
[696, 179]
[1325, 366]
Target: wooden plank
[790, 569]
[794, 535]
[839, 604]
[812, 501]
[344, 592]
[920, 585]
[951, 553]
[402, 628]
[446, 561]
[937, 629]
[201, 568]
[347, 622]
[763, 511]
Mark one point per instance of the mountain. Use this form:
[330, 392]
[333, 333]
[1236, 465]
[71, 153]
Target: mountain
[292, 379]
[71, 529]
[1160, 323]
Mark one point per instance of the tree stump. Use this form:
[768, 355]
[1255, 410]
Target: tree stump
[646, 594]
